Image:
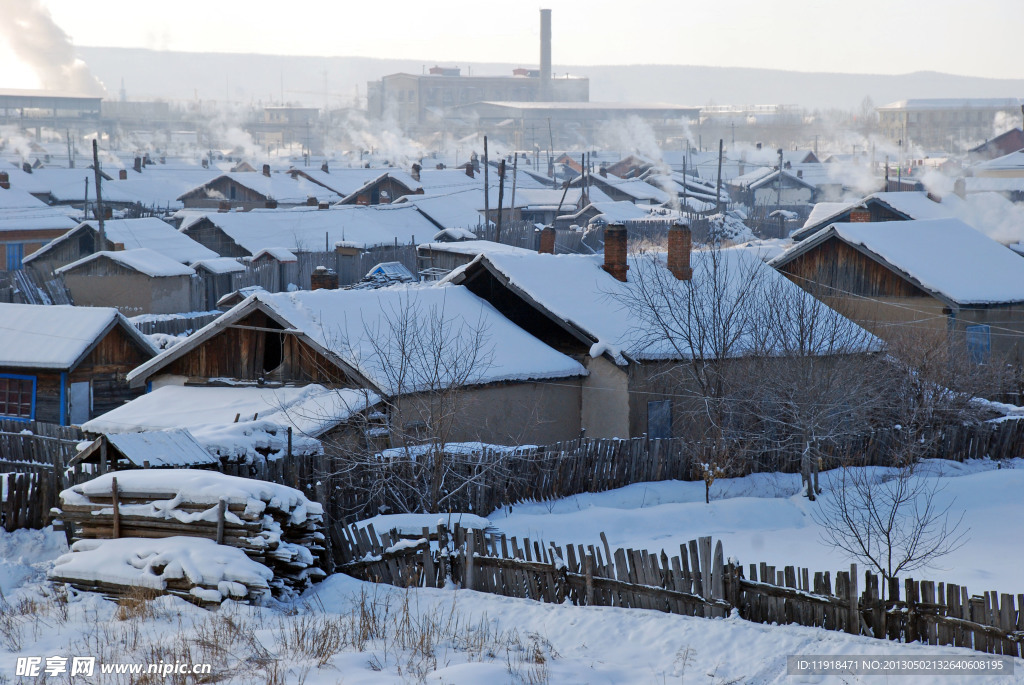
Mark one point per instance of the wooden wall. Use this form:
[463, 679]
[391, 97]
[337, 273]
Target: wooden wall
[248, 354]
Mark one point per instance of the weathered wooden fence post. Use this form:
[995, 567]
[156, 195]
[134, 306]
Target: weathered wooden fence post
[117, 506]
[853, 618]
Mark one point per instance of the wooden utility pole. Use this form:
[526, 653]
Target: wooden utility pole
[501, 198]
[551, 151]
[71, 160]
[515, 168]
[487, 189]
[99, 197]
[778, 186]
[718, 188]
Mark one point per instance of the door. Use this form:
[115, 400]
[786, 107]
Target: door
[81, 403]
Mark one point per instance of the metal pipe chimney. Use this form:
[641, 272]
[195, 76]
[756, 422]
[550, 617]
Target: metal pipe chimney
[545, 55]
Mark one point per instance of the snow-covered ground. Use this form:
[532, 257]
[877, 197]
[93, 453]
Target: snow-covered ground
[348, 631]
[763, 517]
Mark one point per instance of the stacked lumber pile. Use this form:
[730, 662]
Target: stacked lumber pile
[197, 570]
[273, 525]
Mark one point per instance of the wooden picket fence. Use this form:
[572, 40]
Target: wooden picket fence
[33, 459]
[696, 582]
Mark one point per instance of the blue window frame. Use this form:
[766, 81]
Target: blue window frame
[17, 397]
[979, 343]
[15, 253]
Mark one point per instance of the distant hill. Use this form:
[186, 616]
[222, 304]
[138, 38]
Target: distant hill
[260, 78]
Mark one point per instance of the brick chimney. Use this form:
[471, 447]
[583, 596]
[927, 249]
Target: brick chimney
[324, 205]
[416, 168]
[138, 164]
[5, 180]
[26, 167]
[270, 204]
[323, 278]
[266, 170]
[324, 168]
[679, 245]
[615, 251]
[959, 185]
[547, 240]
[469, 170]
[122, 174]
[224, 206]
[311, 201]
[860, 216]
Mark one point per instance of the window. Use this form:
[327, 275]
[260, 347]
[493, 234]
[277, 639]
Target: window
[659, 420]
[979, 343]
[15, 253]
[17, 397]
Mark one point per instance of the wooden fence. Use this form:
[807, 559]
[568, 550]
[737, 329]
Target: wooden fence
[33, 457]
[696, 582]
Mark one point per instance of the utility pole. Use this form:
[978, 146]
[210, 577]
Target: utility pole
[99, 197]
[487, 190]
[71, 160]
[684, 206]
[718, 188]
[551, 151]
[778, 189]
[515, 169]
[501, 198]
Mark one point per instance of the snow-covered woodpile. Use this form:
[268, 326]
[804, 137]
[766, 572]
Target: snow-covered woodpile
[271, 525]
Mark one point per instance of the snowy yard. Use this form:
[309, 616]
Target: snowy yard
[347, 631]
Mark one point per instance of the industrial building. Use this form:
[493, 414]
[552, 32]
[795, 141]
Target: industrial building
[945, 123]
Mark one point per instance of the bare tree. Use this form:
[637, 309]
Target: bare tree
[422, 358]
[894, 521]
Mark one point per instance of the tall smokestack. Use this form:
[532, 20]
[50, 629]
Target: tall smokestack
[545, 55]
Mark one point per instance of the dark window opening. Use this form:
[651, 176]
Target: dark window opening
[273, 351]
[86, 244]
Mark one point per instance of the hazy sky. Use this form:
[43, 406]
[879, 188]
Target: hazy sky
[977, 38]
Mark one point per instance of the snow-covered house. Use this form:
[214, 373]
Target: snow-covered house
[62, 364]
[348, 229]
[26, 224]
[249, 190]
[576, 305]
[771, 186]
[137, 281]
[121, 234]
[519, 389]
[877, 207]
[936, 274]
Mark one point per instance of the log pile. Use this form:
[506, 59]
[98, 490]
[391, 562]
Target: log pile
[272, 524]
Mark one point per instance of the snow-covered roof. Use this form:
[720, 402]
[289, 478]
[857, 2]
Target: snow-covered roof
[174, 447]
[1011, 162]
[219, 265]
[633, 187]
[264, 414]
[943, 256]
[356, 325]
[613, 212]
[313, 229]
[576, 290]
[451, 209]
[13, 198]
[278, 253]
[760, 178]
[55, 336]
[475, 247]
[34, 219]
[910, 204]
[147, 232]
[145, 261]
[277, 186]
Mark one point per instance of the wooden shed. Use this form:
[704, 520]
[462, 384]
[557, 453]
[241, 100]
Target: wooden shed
[64, 365]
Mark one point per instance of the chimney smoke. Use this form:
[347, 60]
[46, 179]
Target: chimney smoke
[545, 55]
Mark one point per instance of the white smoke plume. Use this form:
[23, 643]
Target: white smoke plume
[37, 40]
